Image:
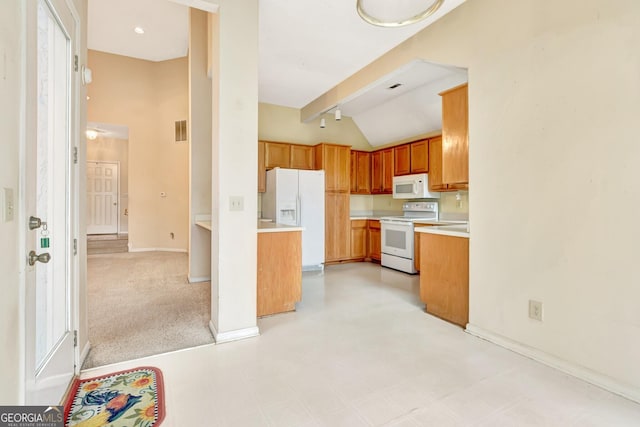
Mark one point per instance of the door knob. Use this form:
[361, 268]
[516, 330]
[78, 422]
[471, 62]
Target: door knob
[34, 222]
[43, 258]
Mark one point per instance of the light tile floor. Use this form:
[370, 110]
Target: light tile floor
[361, 351]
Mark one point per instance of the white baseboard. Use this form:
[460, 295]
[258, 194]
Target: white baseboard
[184, 251]
[570, 368]
[199, 279]
[238, 334]
[83, 354]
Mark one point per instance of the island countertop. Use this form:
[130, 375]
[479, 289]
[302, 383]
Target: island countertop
[458, 230]
[272, 227]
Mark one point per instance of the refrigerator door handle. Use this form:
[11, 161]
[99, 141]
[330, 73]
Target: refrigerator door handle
[299, 210]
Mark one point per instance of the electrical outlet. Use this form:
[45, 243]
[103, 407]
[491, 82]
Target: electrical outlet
[535, 310]
[236, 203]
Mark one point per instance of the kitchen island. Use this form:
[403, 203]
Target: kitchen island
[444, 272]
[279, 268]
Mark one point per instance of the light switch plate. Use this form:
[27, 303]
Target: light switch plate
[7, 204]
[236, 203]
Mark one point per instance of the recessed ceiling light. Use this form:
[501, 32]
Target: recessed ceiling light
[139, 30]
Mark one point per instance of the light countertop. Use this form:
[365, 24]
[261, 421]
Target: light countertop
[271, 227]
[458, 230]
[204, 224]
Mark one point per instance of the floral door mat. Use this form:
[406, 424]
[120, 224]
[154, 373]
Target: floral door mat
[131, 398]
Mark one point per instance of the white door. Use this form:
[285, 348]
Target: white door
[49, 175]
[102, 198]
[311, 189]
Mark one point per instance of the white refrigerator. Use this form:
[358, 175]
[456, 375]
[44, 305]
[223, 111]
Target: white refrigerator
[296, 197]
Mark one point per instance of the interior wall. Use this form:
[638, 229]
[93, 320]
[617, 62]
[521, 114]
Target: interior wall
[199, 145]
[107, 149]
[11, 81]
[148, 97]
[278, 123]
[553, 107]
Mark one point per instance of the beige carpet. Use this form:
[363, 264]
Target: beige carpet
[141, 304]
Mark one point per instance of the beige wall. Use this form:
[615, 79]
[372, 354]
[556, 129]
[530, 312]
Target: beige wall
[553, 107]
[277, 123]
[148, 97]
[115, 150]
[199, 146]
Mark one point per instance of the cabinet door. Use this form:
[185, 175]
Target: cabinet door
[359, 238]
[455, 136]
[301, 156]
[262, 174]
[387, 171]
[337, 227]
[363, 178]
[277, 155]
[336, 164]
[420, 156]
[435, 165]
[376, 172]
[402, 160]
[374, 240]
[353, 161]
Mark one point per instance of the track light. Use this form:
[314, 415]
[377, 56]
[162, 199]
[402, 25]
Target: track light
[323, 123]
[338, 115]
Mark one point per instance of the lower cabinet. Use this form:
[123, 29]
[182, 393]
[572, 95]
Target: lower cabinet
[359, 238]
[373, 237]
[444, 277]
[279, 281]
[416, 246]
[337, 230]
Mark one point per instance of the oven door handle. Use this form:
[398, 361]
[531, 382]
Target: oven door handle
[393, 221]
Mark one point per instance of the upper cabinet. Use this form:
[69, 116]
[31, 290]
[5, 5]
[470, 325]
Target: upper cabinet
[262, 174]
[420, 156]
[402, 160]
[301, 156]
[360, 172]
[382, 171]
[277, 155]
[455, 135]
[335, 160]
[435, 165]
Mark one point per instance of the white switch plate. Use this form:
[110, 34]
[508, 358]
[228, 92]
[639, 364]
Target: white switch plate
[7, 204]
[535, 310]
[236, 203]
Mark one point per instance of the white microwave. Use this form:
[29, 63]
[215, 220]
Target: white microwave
[413, 187]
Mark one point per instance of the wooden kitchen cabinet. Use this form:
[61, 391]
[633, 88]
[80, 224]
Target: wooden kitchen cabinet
[444, 277]
[402, 160]
[455, 135]
[382, 171]
[337, 227]
[373, 237]
[279, 278]
[262, 172]
[420, 156]
[416, 246]
[277, 155]
[435, 165]
[358, 239]
[301, 157]
[335, 160]
[360, 172]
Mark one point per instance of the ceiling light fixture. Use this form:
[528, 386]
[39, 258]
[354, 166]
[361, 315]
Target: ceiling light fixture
[92, 134]
[338, 114]
[138, 30]
[384, 13]
[323, 123]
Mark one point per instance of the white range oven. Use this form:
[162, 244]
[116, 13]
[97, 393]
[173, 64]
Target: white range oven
[397, 234]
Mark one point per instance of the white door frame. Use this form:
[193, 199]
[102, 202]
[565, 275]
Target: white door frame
[117, 163]
[28, 138]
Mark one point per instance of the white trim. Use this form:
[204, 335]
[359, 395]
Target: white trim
[567, 367]
[199, 279]
[184, 251]
[83, 355]
[238, 334]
